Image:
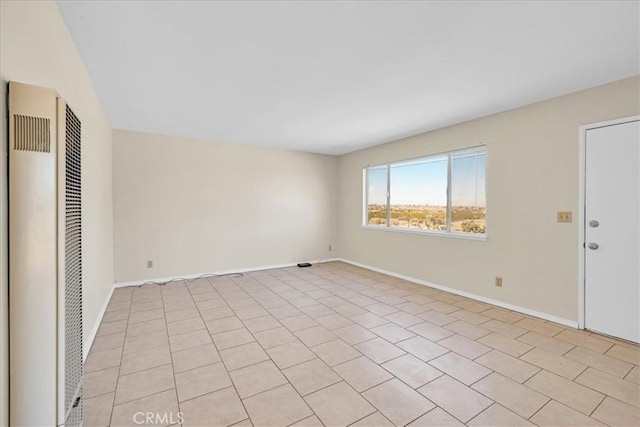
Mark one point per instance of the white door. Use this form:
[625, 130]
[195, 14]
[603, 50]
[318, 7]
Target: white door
[612, 230]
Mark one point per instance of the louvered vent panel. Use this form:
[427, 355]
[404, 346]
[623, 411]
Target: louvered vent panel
[75, 416]
[73, 271]
[32, 134]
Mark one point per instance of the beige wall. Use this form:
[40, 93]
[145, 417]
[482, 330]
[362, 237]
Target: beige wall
[35, 48]
[532, 172]
[196, 206]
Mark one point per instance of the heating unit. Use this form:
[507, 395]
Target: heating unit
[45, 259]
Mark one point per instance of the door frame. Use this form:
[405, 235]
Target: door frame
[582, 141]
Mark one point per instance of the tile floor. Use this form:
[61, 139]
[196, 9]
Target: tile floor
[339, 345]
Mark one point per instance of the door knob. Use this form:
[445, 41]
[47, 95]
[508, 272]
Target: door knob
[592, 246]
[593, 223]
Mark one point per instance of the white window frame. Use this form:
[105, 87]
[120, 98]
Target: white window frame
[446, 233]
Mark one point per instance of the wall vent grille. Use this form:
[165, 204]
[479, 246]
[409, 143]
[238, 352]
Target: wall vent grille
[32, 134]
[73, 270]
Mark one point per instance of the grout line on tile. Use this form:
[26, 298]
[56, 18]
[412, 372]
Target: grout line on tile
[113, 404]
[543, 406]
[597, 406]
[224, 364]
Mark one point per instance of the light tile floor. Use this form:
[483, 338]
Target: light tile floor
[339, 345]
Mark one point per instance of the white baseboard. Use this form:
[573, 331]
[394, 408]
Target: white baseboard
[218, 273]
[96, 325]
[512, 307]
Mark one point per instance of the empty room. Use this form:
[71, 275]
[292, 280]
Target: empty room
[319, 213]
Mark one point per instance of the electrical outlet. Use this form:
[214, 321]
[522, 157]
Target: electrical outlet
[499, 281]
[564, 216]
[150, 264]
[330, 248]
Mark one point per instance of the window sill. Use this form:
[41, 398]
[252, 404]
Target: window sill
[478, 237]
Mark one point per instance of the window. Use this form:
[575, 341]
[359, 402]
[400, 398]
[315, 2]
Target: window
[377, 195]
[443, 193]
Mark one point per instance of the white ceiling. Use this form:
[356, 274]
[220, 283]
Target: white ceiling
[334, 77]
